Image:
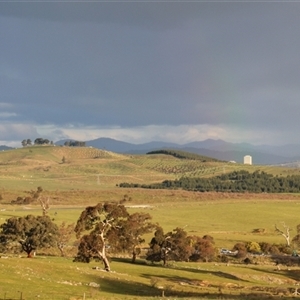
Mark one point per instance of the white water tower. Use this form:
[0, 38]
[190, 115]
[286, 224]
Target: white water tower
[247, 160]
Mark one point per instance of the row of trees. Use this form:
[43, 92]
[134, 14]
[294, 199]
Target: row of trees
[237, 181]
[183, 155]
[41, 141]
[37, 141]
[108, 228]
[177, 245]
[74, 144]
[105, 227]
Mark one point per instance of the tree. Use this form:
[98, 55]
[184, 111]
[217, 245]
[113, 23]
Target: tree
[128, 235]
[253, 247]
[74, 144]
[203, 248]
[241, 249]
[173, 245]
[41, 141]
[44, 201]
[178, 243]
[98, 221]
[24, 143]
[64, 235]
[285, 232]
[296, 238]
[30, 232]
[158, 249]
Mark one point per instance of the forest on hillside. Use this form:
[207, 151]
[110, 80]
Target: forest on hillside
[234, 182]
[183, 155]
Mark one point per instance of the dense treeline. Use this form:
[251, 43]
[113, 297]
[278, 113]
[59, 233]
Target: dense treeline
[235, 182]
[74, 144]
[183, 155]
[37, 141]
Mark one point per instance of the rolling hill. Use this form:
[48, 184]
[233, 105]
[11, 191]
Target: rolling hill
[84, 168]
[218, 149]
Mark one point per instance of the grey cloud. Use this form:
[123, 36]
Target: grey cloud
[12, 132]
[137, 64]
[155, 15]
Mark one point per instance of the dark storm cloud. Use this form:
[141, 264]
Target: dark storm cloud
[145, 63]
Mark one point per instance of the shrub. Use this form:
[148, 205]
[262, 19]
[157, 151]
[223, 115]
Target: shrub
[253, 247]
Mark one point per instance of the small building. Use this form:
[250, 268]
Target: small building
[247, 160]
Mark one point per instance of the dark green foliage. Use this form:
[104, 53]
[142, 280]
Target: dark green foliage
[30, 232]
[235, 182]
[26, 142]
[158, 247]
[184, 155]
[128, 235]
[110, 226]
[41, 141]
[97, 221]
[88, 248]
[178, 246]
[74, 144]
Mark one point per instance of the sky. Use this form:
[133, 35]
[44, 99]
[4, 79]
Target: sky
[141, 71]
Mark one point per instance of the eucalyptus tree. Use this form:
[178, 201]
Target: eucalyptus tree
[109, 226]
[29, 232]
[96, 222]
[128, 236]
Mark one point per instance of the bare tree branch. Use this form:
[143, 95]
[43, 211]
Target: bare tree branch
[285, 232]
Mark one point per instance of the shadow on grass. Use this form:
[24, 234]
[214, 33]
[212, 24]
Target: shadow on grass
[132, 290]
[178, 286]
[118, 287]
[289, 273]
[186, 269]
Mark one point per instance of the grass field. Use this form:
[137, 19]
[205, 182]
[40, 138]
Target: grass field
[89, 176]
[59, 278]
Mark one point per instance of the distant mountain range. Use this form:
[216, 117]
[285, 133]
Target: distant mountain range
[262, 154]
[3, 147]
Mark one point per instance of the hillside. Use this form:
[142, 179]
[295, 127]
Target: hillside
[68, 168]
[218, 149]
[87, 176]
[48, 152]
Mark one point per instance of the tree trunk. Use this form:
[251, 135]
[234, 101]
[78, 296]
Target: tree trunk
[102, 254]
[27, 248]
[133, 256]
[61, 249]
[106, 264]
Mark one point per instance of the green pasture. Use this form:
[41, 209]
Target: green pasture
[228, 221]
[90, 175]
[44, 277]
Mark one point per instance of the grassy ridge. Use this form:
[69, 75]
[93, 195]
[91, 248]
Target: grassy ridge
[87, 168]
